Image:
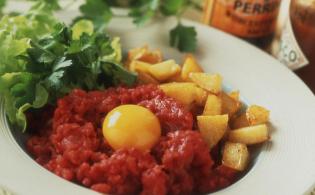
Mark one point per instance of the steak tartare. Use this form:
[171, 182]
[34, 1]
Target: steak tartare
[72, 146]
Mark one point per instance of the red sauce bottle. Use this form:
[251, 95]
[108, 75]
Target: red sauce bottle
[251, 20]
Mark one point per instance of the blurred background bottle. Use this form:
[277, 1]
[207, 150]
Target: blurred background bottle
[252, 20]
[297, 41]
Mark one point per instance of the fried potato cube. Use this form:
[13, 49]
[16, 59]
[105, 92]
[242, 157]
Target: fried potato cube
[254, 115]
[152, 57]
[145, 78]
[240, 121]
[136, 53]
[200, 96]
[142, 69]
[187, 93]
[249, 135]
[257, 115]
[164, 70]
[213, 105]
[190, 65]
[235, 156]
[229, 105]
[145, 55]
[176, 78]
[235, 95]
[212, 128]
[138, 66]
[209, 82]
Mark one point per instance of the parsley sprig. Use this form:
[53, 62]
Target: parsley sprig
[142, 11]
[182, 37]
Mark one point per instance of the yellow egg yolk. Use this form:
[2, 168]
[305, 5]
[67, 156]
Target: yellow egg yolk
[131, 126]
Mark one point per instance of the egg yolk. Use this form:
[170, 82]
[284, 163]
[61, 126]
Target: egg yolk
[130, 126]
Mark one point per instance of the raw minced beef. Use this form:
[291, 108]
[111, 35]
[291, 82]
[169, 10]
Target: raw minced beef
[73, 147]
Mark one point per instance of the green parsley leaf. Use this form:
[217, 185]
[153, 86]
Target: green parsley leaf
[61, 64]
[98, 11]
[144, 11]
[54, 81]
[118, 73]
[173, 7]
[184, 38]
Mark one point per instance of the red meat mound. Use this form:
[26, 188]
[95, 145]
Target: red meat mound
[186, 158]
[72, 146]
[81, 107]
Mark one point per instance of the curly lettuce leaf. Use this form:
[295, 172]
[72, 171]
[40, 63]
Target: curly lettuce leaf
[16, 33]
[21, 91]
[9, 49]
[33, 25]
[41, 97]
[80, 27]
[116, 55]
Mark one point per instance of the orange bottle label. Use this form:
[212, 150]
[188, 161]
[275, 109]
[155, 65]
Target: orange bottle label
[243, 18]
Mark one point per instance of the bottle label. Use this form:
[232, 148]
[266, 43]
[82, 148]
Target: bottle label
[290, 52]
[243, 18]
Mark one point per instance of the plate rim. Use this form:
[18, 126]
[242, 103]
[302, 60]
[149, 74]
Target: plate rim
[227, 36]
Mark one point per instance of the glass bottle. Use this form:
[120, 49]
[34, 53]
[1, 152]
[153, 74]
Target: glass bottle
[251, 20]
[297, 45]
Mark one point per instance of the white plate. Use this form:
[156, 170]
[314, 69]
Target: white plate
[285, 166]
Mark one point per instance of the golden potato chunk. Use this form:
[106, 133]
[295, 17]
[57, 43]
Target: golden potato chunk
[209, 82]
[254, 115]
[257, 115]
[235, 95]
[213, 105]
[145, 55]
[164, 70]
[138, 66]
[176, 78]
[249, 135]
[190, 65]
[240, 121]
[186, 93]
[212, 128]
[200, 96]
[144, 78]
[135, 54]
[152, 57]
[229, 105]
[235, 156]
